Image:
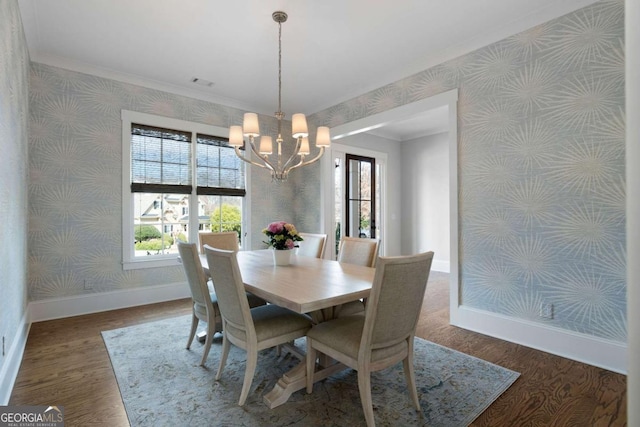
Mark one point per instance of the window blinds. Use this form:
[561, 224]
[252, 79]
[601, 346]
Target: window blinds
[219, 170]
[160, 160]
[161, 163]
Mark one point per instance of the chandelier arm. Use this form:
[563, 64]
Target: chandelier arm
[293, 156]
[239, 154]
[267, 164]
[308, 162]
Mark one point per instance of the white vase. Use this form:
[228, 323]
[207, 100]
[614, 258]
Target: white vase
[281, 256]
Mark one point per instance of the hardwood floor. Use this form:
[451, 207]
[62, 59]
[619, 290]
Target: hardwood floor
[66, 363]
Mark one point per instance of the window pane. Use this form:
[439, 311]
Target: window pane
[220, 213]
[217, 164]
[160, 156]
[159, 220]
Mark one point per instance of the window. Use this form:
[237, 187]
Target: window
[176, 168]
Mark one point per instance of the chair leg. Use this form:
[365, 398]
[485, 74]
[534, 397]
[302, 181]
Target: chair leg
[364, 385]
[226, 345]
[411, 377]
[249, 371]
[194, 326]
[311, 365]
[207, 344]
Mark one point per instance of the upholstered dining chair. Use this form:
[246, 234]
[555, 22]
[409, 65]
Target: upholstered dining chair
[227, 240]
[251, 329]
[359, 251]
[384, 335]
[205, 303]
[312, 245]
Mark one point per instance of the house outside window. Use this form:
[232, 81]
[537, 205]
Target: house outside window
[176, 167]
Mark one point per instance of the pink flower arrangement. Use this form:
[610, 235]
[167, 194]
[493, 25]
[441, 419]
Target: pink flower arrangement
[281, 235]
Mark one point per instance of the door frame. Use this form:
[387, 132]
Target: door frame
[365, 124]
[337, 150]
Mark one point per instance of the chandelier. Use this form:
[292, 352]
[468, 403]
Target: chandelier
[279, 166]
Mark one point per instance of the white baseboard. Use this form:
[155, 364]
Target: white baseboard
[606, 354]
[57, 308]
[11, 365]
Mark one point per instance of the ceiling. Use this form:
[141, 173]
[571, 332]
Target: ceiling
[332, 50]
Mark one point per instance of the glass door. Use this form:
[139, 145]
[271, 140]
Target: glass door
[360, 196]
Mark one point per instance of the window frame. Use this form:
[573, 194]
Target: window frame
[129, 261]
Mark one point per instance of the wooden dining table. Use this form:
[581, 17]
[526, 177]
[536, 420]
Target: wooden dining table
[309, 285]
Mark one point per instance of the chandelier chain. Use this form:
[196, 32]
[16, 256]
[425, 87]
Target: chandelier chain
[279, 67]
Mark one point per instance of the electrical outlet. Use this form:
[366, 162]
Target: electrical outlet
[546, 310]
[87, 286]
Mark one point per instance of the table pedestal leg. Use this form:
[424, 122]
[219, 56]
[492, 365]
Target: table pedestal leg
[294, 380]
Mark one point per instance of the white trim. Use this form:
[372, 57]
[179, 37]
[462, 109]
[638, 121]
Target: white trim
[11, 365]
[606, 354]
[442, 266]
[381, 160]
[403, 112]
[454, 216]
[327, 189]
[57, 308]
[246, 211]
[162, 121]
[632, 170]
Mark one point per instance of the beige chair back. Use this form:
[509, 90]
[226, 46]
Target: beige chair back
[394, 304]
[385, 335]
[312, 245]
[354, 250]
[268, 325]
[227, 281]
[195, 277]
[227, 240]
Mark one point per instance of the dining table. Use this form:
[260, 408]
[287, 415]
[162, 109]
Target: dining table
[314, 286]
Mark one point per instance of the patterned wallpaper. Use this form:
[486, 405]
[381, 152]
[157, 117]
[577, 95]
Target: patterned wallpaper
[541, 158]
[541, 147]
[75, 184]
[14, 78]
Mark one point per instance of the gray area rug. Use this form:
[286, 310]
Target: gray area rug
[162, 385]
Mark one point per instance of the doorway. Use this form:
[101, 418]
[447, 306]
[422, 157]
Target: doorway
[357, 194]
[397, 115]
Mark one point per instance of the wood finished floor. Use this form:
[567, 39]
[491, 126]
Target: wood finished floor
[66, 363]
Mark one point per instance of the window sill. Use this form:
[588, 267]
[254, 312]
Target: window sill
[150, 263]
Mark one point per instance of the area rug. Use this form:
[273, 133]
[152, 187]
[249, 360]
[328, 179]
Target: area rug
[162, 384]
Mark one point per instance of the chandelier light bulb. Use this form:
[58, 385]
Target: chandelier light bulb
[236, 137]
[304, 146]
[299, 126]
[250, 125]
[266, 145]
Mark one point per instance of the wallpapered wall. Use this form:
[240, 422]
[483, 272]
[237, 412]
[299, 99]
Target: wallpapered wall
[541, 153]
[75, 188]
[14, 79]
[541, 168]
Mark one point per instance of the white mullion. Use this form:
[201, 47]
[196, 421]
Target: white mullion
[193, 200]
